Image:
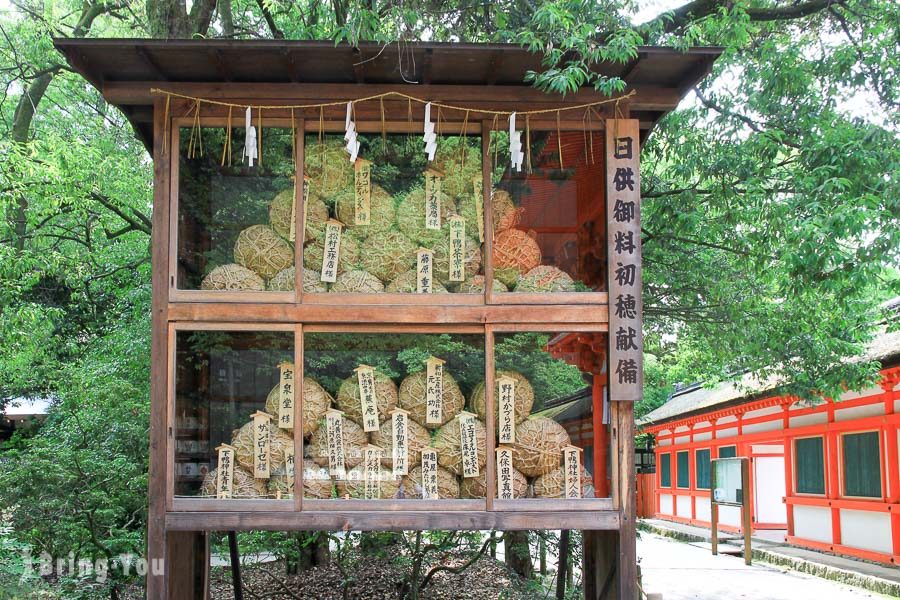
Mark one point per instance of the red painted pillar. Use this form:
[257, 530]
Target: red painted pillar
[601, 438]
[832, 465]
[788, 469]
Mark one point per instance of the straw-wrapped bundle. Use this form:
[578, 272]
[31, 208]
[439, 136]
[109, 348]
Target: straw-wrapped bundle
[523, 398]
[263, 251]
[242, 440]
[232, 277]
[411, 218]
[284, 281]
[348, 399]
[279, 484]
[515, 253]
[353, 485]
[387, 254]
[316, 481]
[417, 438]
[459, 164]
[545, 278]
[475, 487]
[348, 253]
[449, 448]
[354, 441]
[243, 484]
[448, 484]
[281, 213]
[506, 214]
[407, 283]
[475, 285]
[328, 166]
[553, 484]
[315, 402]
[442, 254]
[412, 398]
[538, 447]
[381, 211]
[357, 282]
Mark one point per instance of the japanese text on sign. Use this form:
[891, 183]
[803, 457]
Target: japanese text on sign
[286, 396]
[572, 466]
[262, 445]
[624, 253]
[457, 248]
[372, 472]
[225, 472]
[433, 199]
[362, 183]
[332, 252]
[365, 377]
[505, 473]
[506, 414]
[434, 391]
[334, 434]
[400, 437]
[429, 474]
[468, 444]
[424, 271]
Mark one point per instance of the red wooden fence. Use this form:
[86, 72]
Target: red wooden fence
[646, 501]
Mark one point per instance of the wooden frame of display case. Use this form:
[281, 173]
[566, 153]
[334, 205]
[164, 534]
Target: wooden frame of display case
[280, 72]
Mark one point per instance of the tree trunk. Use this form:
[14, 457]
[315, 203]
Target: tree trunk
[518, 553]
[543, 555]
[562, 565]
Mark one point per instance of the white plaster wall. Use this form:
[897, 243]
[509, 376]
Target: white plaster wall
[761, 412]
[767, 448]
[665, 504]
[727, 419]
[858, 412]
[769, 490]
[683, 506]
[812, 523]
[866, 530]
[682, 429]
[726, 433]
[812, 419]
[701, 505]
[702, 437]
[730, 515]
[663, 442]
[765, 426]
[682, 439]
[867, 392]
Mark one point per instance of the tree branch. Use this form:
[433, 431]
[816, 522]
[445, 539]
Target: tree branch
[270, 20]
[698, 9]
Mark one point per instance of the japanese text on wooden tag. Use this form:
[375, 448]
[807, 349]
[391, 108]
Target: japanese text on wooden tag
[368, 403]
[434, 391]
[332, 251]
[372, 472]
[572, 466]
[468, 444]
[362, 183]
[506, 414]
[424, 271]
[478, 197]
[429, 474]
[289, 466]
[225, 472]
[334, 435]
[505, 473]
[433, 181]
[400, 438]
[262, 445]
[623, 217]
[286, 396]
[457, 248]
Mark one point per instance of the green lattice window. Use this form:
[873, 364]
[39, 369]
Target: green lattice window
[702, 466]
[665, 470]
[727, 451]
[810, 467]
[862, 464]
[683, 466]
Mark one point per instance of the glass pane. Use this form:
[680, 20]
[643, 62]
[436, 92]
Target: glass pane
[228, 428]
[862, 465]
[407, 225]
[684, 479]
[810, 465]
[550, 217]
[544, 399]
[402, 397]
[234, 220]
[728, 452]
[703, 469]
[665, 470]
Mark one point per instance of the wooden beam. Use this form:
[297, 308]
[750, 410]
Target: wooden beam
[426, 67]
[631, 67]
[218, 61]
[150, 62]
[291, 64]
[494, 66]
[359, 69]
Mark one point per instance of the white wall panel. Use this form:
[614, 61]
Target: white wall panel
[812, 523]
[866, 530]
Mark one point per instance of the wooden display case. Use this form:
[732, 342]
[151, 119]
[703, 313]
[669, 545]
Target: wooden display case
[564, 196]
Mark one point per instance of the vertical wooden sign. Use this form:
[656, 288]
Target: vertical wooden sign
[333, 229]
[434, 391]
[365, 377]
[506, 413]
[429, 474]
[505, 473]
[286, 396]
[623, 216]
[334, 435]
[478, 197]
[424, 271]
[400, 438]
[433, 179]
[468, 444]
[225, 472]
[457, 248]
[262, 445]
[362, 183]
[572, 467]
[372, 472]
